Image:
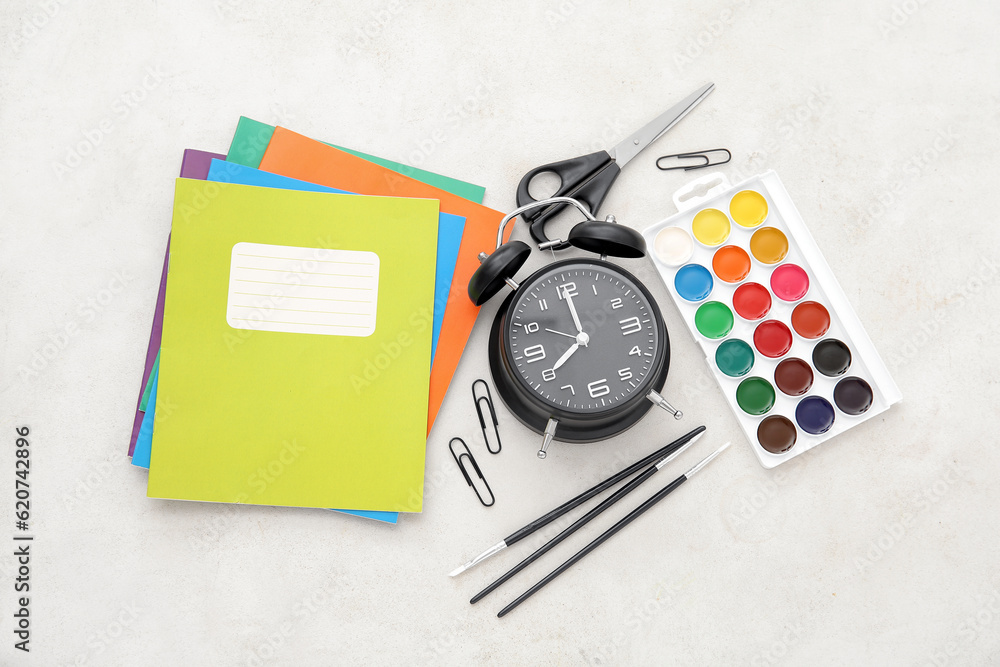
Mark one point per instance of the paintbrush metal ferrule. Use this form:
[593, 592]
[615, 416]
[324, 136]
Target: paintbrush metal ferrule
[674, 455]
[705, 461]
[495, 549]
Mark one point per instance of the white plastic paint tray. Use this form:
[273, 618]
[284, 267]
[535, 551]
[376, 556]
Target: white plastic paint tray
[821, 411]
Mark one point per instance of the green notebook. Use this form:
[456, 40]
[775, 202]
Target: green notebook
[275, 299]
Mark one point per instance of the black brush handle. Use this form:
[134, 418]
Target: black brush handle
[573, 527]
[545, 520]
[604, 537]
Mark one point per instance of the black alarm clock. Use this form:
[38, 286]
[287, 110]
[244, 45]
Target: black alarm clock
[579, 351]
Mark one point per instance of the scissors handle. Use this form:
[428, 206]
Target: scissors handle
[586, 178]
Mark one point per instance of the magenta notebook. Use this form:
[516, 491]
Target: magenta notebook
[195, 164]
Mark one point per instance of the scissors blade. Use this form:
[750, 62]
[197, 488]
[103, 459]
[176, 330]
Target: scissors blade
[634, 144]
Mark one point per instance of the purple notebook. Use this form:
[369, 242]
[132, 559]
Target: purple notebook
[194, 165]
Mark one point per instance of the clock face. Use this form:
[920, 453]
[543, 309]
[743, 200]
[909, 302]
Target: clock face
[583, 337]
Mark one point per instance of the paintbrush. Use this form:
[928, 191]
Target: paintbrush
[585, 519]
[577, 501]
[610, 532]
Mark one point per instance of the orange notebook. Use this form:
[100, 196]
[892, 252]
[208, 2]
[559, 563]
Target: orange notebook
[296, 156]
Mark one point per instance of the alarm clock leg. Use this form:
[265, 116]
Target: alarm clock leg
[662, 402]
[550, 434]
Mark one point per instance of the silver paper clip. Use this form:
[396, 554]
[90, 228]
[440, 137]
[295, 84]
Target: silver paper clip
[696, 155]
[488, 397]
[465, 471]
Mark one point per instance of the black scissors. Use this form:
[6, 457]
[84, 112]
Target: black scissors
[589, 177]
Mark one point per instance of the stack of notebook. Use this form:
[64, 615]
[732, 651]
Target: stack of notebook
[311, 315]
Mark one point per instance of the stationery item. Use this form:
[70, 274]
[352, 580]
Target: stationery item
[612, 373]
[264, 412]
[450, 228]
[585, 519]
[776, 329]
[194, 164]
[252, 137]
[247, 149]
[569, 505]
[294, 155]
[610, 532]
[143, 449]
[140, 457]
[466, 455]
[588, 178]
[449, 238]
[144, 401]
[486, 398]
[710, 158]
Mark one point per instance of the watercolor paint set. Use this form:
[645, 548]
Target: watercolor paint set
[780, 336]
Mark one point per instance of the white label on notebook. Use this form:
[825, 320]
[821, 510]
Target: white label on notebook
[302, 290]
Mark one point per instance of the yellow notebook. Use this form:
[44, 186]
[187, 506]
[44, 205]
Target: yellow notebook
[296, 349]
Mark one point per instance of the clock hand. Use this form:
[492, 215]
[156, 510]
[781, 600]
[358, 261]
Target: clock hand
[572, 311]
[561, 333]
[566, 355]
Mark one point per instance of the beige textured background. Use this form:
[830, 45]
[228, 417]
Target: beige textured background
[881, 117]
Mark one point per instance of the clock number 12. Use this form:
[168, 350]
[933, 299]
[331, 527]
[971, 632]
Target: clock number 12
[566, 289]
